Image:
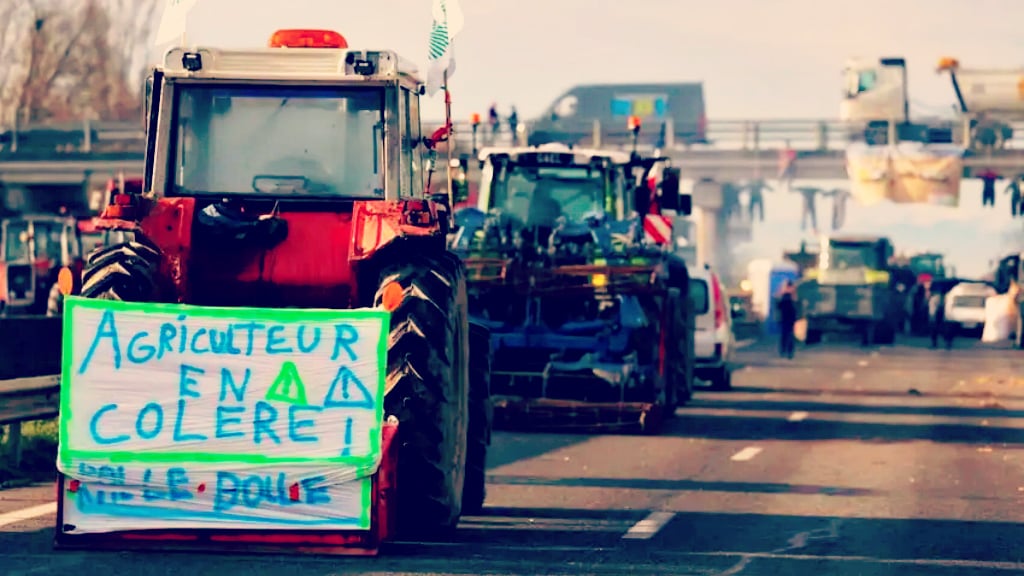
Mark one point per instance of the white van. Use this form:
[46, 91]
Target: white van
[965, 305]
[714, 342]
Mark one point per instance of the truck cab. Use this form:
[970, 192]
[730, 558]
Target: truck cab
[875, 96]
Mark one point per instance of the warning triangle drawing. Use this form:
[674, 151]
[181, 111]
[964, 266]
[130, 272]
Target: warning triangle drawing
[288, 386]
[348, 391]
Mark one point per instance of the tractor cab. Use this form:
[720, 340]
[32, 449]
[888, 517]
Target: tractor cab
[931, 265]
[853, 260]
[570, 191]
[279, 149]
[541, 184]
[34, 248]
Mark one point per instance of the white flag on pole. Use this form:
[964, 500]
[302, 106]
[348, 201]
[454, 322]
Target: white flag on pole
[174, 21]
[448, 22]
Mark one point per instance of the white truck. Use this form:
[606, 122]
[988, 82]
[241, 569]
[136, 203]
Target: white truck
[987, 99]
[876, 104]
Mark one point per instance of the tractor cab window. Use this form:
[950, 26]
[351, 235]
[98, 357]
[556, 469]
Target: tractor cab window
[411, 176]
[49, 241]
[844, 256]
[307, 142]
[541, 195]
[16, 247]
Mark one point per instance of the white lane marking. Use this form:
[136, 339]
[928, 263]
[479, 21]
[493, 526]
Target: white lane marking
[744, 343]
[747, 453]
[648, 527]
[27, 513]
[797, 416]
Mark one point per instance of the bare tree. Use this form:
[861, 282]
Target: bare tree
[69, 59]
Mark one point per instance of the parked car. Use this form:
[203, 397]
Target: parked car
[714, 341]
[965, 306]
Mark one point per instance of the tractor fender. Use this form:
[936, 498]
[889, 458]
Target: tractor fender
[378, 223]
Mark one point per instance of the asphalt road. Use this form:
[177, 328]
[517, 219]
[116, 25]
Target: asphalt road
[896, 460]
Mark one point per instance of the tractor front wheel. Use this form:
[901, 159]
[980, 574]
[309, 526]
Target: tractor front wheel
[126, 271]
[427, 388]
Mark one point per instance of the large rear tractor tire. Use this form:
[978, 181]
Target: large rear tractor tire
[481, 416]
[427, 387]
[126, 271]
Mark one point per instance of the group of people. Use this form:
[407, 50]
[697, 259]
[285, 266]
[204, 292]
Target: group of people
[786, 304]
[494, 122]
[988, 191]
[755, 205]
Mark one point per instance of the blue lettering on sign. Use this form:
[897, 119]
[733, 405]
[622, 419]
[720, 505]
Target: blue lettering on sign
[345, 335]
[94, 424]
[223, 420]
[348, 391]
[265, 416]
[241, 338]
[227, 380]
[295, 424]
[106, 329]
[158, 421]
[104, 474]
[148, 351]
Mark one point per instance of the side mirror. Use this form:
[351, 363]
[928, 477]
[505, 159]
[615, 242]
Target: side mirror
[670, 197]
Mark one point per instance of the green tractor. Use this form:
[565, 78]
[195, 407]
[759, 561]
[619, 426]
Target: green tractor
[855, 287]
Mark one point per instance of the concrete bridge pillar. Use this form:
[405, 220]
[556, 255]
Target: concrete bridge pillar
[707, 203]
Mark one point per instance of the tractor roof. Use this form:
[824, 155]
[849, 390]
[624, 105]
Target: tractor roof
[581, 156]
[855, 238]
[302, 61]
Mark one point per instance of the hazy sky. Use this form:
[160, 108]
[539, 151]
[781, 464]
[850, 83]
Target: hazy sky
[756, 58]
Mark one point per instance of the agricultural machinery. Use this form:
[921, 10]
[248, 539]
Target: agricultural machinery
[292, 176]
[571, 269]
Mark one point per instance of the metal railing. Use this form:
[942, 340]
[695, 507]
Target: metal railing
[739, 134]
[821, 135]
[25, 400]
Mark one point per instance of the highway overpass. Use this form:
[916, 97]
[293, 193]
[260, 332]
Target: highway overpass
[738, 149]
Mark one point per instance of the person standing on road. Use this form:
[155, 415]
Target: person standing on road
[787, 320]
[939, 326]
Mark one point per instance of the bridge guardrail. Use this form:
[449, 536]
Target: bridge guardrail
[774, 134]
[24, 400]
[733, 134]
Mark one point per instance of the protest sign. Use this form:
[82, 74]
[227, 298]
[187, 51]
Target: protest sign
[908, 173]
[177, 416]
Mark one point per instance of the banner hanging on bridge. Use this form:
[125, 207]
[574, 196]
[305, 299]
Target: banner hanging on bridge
[179, 416]
[905, 174]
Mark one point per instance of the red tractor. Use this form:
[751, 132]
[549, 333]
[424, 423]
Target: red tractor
[33, 248]
[292, 176]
